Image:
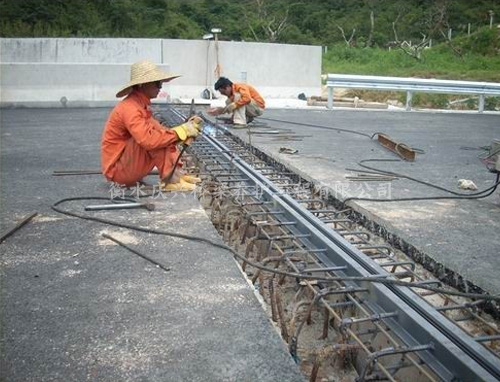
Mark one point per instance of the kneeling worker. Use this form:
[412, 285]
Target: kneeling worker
[243, 101]
[134, 142]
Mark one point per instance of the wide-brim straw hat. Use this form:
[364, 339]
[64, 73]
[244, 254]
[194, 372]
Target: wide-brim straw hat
[143, 72]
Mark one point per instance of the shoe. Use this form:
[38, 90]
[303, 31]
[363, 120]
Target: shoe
[182, 185]
[249, 119]
[239, 126]
[226, 120]
[191, 179]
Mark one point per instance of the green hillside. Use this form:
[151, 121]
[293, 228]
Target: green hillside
[318, 22]
[448, 39]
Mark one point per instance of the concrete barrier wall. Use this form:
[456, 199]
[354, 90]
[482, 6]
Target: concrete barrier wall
[92, 50]
[79, 72]
[277, 70]
[69, 84]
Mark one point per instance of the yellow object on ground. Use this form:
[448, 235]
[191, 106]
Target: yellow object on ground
[191, 179]
[182, 185]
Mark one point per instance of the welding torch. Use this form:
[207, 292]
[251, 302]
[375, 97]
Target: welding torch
[185, 143]
[191, 114]
[188, 141]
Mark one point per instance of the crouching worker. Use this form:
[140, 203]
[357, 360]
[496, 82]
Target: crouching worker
[243, 101]
[134, 142]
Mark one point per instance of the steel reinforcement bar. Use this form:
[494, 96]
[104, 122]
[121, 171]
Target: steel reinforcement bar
[438, 347]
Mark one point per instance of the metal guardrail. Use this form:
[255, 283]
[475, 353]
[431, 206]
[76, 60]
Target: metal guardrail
[411, 85]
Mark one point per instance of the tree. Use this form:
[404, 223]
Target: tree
[325, 22]
[271, 19]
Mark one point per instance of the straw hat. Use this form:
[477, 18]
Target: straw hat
[143, 72]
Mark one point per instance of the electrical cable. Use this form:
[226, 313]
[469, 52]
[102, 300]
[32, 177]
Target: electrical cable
[376, 278]
[318, 126]
[481, 148]
[459, 195]
[384, 172]
[420, 151]
[174, 167]
[169, 176]
[473, 196]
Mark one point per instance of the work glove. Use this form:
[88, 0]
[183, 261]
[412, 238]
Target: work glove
[190, 129]
[230, 108]
[181, 185]
[191, 179]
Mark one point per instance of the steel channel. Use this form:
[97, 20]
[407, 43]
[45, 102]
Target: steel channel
[263, 165]
[451, 342]
[448, 359]
[362, 309]
[473, 316]
[335, 257]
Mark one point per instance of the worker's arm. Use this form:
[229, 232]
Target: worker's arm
[215, 111]
[147, 131]
[246, 98]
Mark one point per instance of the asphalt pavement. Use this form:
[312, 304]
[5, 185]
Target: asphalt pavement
[75, 306]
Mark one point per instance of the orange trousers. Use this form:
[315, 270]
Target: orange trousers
[136, 162]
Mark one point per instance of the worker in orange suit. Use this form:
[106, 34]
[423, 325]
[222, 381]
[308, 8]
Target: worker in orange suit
[243, 101]
[134, 142]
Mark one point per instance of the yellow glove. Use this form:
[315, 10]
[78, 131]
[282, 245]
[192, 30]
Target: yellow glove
[190, 129]
[230, 108]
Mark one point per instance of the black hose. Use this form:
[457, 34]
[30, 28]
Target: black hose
[477, 195]
[384, 172]
[318, 126]
[460, 195]
[376, 278]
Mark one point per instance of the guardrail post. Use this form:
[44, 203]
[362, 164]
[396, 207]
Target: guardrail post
[409, 97]
[481, 103]
[330, 97]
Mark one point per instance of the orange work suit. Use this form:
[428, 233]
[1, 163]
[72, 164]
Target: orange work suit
[133, 142]
[248, 93]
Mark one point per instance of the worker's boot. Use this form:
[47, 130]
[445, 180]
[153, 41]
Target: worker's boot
[182, 185]
[226, 120]
[191, 179]
[237, 126]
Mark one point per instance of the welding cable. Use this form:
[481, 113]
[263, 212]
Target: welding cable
[169, 176]
[377, 170]
[384, 172]
[374, 279]
[471, 196]
[371, 136]
[480, 148]
[318, 126]
[184, 147]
